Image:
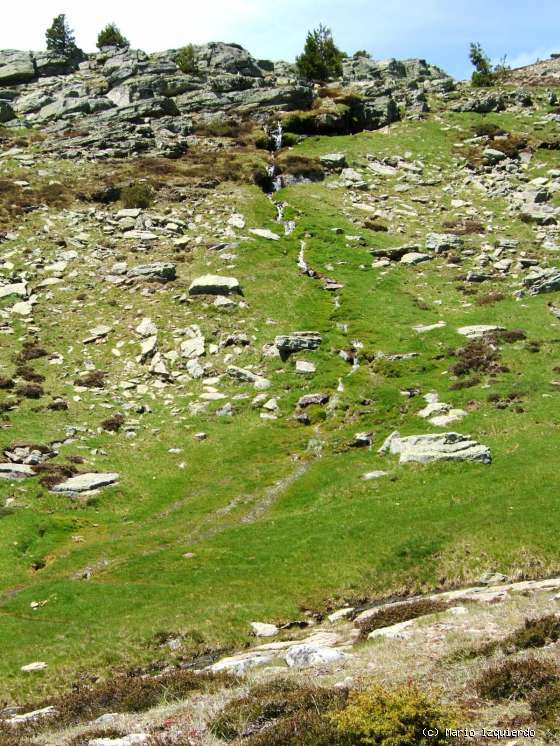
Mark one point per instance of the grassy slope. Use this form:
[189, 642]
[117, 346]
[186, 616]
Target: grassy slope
[329, 533]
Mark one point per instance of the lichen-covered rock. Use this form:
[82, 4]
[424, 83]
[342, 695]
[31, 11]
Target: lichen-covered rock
[436, 447]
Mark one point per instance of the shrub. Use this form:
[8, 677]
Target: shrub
[478, 355]
[58, 405]
[29, 375]
[131, 693]
[113, 424]
[95, 379]
[110, 36]
[515, 679]
[6, 383]
[269, 702]
[482, 80]
[466, 383]
[140, 195]
[489, 299]
[401, 612]
[488, 129]
[186, 60]
[511, 145]
[30, 391]
[30, 351]
[60, 39]
[321, 59]
[535, 633]
[394, 717]
[545, 706]
[305, 728]
[53, 474]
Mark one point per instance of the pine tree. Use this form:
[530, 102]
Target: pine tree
[483, 75]
[321, 59]
[111, 36]
[60, 38]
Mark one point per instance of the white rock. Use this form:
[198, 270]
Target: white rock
[132, 740]
[146, 328]
[240, 664]
[438, 447]
[305, 655]
[394, 632]
[16, 288]
[15, 471]
[236, 221]
[374, 475]
[36, 666]
[33, 715]
[478, 330]
[23, 308]
[214, 285]
[264, 233]
[304, 367]
[193, 348]
[86, 482]
[340, 614]
[423, 328]
[260, 629]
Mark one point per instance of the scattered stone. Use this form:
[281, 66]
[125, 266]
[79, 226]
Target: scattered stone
[98, 332]
[146, 328]
[304, 367]
[369, 475]
[16, 471]
[309, 399]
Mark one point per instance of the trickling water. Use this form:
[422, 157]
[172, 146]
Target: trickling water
[276, 135]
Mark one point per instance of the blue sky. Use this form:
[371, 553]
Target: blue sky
[437, 30]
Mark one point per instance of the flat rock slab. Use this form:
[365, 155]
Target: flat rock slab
[162, 271]
[297, 341]
[439, 447]
[132, 740]
[264, 233]
[215, 285]
[479, 330]
[305, 655]
[16, 471]
[86, 483]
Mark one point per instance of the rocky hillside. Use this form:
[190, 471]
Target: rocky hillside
[273, 356]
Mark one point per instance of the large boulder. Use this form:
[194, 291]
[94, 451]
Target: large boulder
[297, 341]
[436, 447]
[162, 271]
[85, 483]
[542, 280]
[6, 112]
[16, 67]
[215, 285]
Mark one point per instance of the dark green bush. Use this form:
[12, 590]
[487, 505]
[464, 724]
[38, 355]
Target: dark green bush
[137, 195]
[321, 59]
[110, 36]
[186, 60]
[269, 702]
